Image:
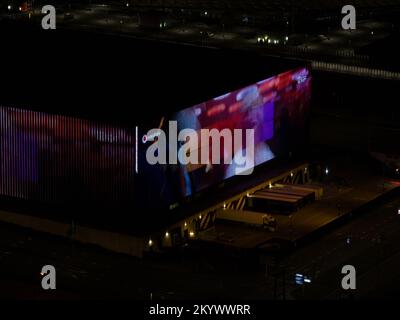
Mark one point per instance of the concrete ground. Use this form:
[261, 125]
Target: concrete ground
[347, 187]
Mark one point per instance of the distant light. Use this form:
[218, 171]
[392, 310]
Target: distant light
[9, 7]
[291, 174]
[398, 211]
[248, 194]
[269, 40]
[127, 4]
[372, 33]
[185, 224]
[167, 234]
[191, 234]
[299, 279]
[20, 9]
[397, 170]
[205, 13]
[326, 171]
[42, 274]
[270, 185]
[286, 38]
[224, 205]
[305, 169]
[200, 216]
[348, 240]
[150, 242]
[287, 22]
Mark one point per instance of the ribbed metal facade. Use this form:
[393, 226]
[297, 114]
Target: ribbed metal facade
[59, 159]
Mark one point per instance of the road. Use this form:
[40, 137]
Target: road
[89, 272]
[371, 243]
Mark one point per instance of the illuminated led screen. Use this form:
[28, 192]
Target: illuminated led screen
[60, 159]
[276, 108]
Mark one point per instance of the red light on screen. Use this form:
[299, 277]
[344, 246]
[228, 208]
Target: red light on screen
[216, 109]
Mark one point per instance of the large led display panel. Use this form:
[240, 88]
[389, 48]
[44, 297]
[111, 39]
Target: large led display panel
[276, 109]
[59, 159]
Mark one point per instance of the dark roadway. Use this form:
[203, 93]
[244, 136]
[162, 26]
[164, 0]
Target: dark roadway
[88, 272]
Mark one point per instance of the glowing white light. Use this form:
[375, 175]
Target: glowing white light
[137, 149]
[224, 95]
